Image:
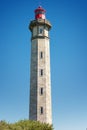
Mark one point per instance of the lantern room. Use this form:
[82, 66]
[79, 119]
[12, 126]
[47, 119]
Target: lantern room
[40, 13]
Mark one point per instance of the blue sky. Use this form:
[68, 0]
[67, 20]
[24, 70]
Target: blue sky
[68, 60]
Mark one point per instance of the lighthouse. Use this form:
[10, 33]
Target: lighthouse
[40, 108]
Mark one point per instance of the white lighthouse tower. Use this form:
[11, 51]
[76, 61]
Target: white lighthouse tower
[40, 84]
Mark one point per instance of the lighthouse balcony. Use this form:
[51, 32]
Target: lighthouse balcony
[39, 22]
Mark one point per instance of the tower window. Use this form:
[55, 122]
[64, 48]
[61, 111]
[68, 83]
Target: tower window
[41, 91]
[41, 72]
[41, 54]
[40, 30]
[41, 110]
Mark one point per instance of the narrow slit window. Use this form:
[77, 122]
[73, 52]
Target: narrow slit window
[41, 91]
[41, 110]
[41, 54]
[41, 72]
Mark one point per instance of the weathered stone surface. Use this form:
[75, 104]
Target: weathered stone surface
[37, 81]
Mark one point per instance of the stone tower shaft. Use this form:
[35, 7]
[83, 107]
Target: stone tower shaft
[40, 84]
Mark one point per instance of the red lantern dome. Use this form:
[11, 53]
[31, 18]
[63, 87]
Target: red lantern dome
[40, 13]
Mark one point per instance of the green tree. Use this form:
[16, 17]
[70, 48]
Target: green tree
[25, 125]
